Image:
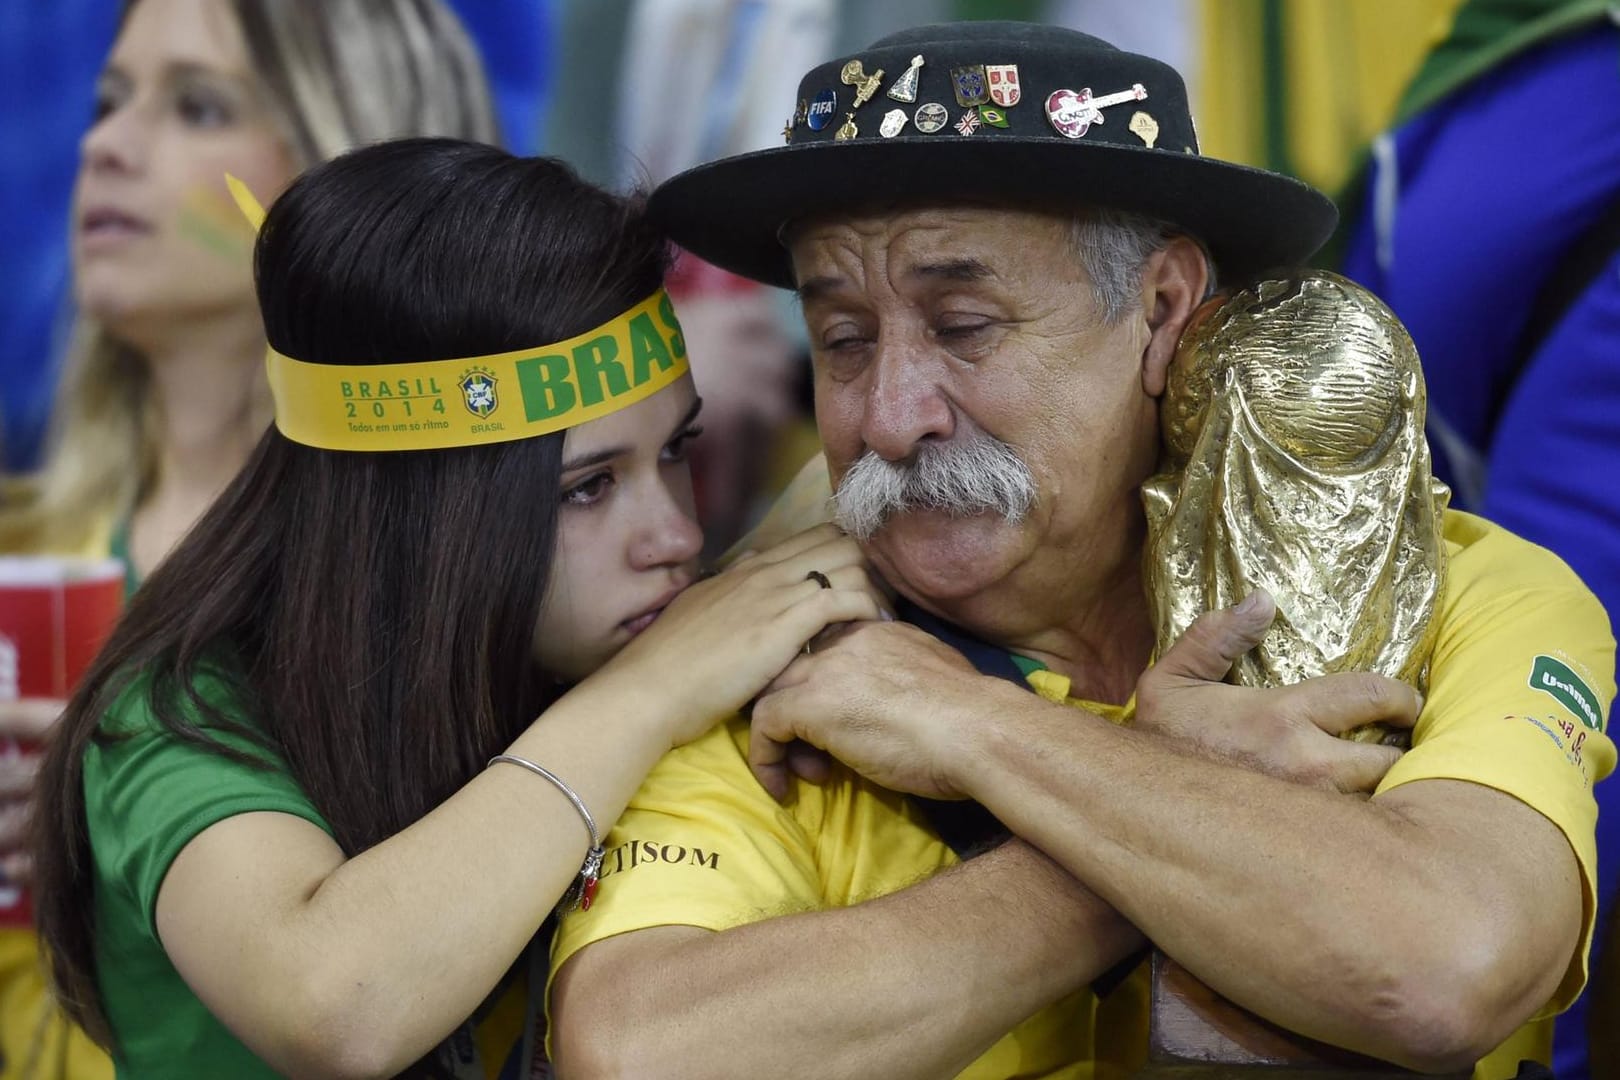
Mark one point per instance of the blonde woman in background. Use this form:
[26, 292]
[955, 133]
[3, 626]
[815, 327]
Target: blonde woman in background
[163, 393]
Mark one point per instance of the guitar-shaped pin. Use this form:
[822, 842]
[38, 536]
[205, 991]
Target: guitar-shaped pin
[1072, 113]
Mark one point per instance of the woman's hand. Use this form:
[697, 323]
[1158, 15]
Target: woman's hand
[724, 639]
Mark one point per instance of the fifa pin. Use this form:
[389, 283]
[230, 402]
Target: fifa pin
[822, 109]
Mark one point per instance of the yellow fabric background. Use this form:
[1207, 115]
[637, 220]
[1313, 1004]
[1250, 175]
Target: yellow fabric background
[1346, 63]
[37, 1040]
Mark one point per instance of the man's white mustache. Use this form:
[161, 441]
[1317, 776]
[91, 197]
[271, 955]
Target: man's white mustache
[963, 478]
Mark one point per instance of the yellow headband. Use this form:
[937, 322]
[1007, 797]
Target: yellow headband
[438, 404]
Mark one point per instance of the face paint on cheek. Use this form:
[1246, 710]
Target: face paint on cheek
[211, 221]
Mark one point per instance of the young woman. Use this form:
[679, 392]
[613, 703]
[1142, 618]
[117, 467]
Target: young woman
[162, 399]
[162, 395]
[270, 833]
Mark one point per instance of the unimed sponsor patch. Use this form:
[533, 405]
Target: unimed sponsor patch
[1556, 679]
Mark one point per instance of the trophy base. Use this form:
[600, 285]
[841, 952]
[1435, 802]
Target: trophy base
[1195, 1034]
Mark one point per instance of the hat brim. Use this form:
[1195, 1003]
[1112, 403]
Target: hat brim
[731, 212]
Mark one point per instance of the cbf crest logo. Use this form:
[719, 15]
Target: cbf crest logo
[478, 391]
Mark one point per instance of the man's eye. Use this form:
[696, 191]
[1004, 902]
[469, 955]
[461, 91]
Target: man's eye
[590, 490]
[961, 330]
[843, 335]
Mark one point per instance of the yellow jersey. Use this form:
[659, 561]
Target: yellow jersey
[1521, 680]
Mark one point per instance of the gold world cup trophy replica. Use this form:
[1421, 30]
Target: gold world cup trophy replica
[1294, 460]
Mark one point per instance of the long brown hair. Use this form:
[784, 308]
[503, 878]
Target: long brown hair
[337, 74]
[373, 613]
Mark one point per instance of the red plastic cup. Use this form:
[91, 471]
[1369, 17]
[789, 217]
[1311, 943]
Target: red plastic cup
[55, 614]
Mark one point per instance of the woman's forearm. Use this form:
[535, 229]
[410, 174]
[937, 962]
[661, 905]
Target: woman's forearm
[364, 965]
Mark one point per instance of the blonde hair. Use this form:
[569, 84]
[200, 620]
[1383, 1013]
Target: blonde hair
[338, 74]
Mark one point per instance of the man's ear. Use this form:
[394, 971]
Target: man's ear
[1173, 285]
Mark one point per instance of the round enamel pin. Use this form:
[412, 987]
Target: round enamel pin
[823, 107]
[931, 117]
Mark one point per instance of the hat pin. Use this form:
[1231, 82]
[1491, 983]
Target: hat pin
[865, 85]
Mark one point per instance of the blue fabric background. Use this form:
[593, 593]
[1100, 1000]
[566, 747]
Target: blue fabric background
[1497, 182]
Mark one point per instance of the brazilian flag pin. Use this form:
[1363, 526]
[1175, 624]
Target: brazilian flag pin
[992, 116]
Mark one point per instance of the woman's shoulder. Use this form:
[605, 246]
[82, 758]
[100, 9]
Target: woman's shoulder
[208, 712]
[169, 760]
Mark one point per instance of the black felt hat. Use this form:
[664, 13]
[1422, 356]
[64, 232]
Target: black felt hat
[996, 112]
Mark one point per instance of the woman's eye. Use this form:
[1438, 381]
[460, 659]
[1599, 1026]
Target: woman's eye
[590, 490]
[681, 445]
[203, 110]
[105, 104]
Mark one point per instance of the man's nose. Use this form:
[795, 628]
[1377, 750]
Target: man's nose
[905, 402]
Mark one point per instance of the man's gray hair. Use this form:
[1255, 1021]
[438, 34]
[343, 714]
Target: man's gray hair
[1114, 246]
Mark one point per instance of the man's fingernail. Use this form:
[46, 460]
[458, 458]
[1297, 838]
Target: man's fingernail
[1420, 701]
[1248, 604]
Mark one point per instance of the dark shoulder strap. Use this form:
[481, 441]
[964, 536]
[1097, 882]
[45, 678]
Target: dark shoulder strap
[1576, 271]
[968, 828]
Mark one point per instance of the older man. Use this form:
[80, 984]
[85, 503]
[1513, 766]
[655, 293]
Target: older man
[998, 233]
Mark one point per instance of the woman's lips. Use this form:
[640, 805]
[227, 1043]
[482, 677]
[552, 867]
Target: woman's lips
[641, 622]
[106, 226]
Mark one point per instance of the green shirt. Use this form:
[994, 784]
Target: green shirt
[146, 796]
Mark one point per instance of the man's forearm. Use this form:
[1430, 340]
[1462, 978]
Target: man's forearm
[1366, 924]
[916, 984]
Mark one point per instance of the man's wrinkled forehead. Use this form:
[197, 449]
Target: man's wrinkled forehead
[955, 242]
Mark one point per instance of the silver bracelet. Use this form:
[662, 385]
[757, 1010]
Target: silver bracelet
[583, 891]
